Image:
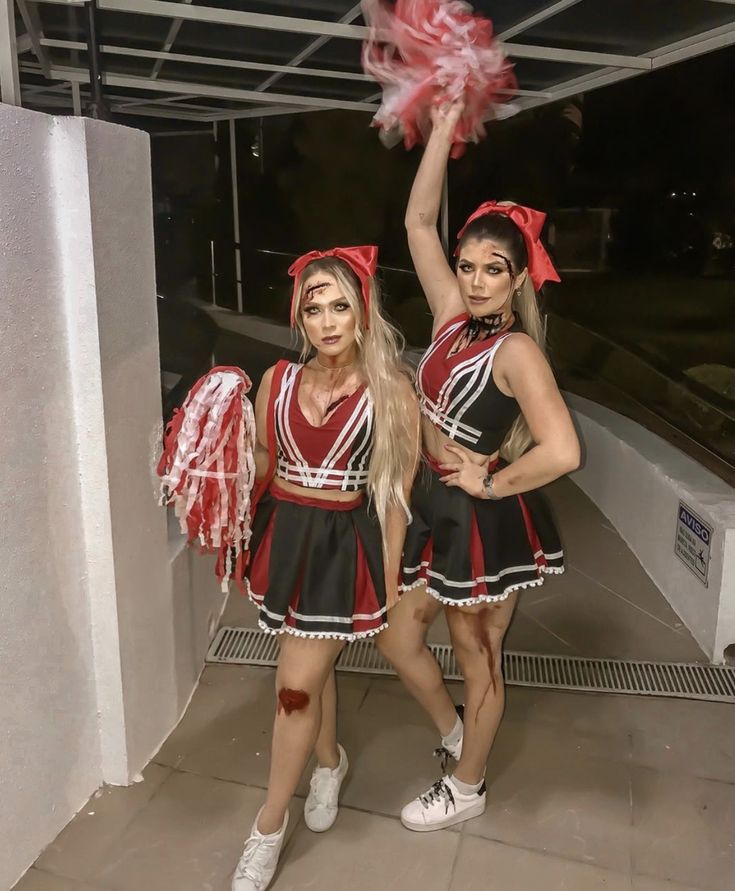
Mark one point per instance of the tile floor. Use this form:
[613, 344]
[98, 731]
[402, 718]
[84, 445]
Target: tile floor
[585, 791]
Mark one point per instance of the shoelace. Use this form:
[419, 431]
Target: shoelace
[325, 790]
[444, 754]
[254, 855]
[439, 792]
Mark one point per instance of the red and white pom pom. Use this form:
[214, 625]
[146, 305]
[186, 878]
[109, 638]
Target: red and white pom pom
[207, 468]
[427, 52]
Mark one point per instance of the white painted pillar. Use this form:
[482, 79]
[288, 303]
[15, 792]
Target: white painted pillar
[9, 78]
[100, 650]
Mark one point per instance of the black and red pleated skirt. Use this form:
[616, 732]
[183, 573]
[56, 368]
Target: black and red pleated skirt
[468, 550]
[316, 567]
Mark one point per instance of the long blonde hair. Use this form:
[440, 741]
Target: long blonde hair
[525, 307]
[499, 227]
[379, 348]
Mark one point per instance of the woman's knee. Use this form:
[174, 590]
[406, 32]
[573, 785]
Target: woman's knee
[399, 648]
[301, 676]
[477, 645]
[408, 625]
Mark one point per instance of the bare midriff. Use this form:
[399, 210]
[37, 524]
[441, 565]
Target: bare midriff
[319, 494]
[434, 441]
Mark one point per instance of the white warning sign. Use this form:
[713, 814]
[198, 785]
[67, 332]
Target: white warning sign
[693, 540]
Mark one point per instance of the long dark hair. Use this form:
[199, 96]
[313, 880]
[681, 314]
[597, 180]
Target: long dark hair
[501, 229]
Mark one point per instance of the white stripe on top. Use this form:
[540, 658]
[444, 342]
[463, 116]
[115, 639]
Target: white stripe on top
[464, 384]
[356, 434]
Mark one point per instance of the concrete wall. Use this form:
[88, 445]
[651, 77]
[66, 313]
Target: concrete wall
[121, 231]
[637, 480]
[50, 757]
[104, 620]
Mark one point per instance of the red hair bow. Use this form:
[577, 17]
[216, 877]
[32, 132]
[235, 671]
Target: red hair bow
[530, 222]
[363, 261]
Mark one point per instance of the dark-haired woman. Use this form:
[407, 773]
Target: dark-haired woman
[495, 429]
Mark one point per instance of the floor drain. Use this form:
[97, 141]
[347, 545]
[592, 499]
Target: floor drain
[250, 646]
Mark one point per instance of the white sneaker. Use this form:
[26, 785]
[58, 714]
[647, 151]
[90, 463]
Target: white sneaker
[259, 859]
[441, 806]
[320, 808]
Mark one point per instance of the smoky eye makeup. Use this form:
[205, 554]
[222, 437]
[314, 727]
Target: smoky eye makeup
[310, 308]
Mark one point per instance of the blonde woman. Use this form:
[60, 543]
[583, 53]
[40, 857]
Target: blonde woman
[495, 429]
[339, 432]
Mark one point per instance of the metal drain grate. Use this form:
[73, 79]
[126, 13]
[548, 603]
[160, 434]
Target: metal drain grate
[250, 646]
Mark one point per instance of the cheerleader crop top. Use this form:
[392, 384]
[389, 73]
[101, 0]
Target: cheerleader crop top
[333, 456]
[458, 394]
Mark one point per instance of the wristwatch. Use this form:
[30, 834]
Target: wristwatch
[487, 485]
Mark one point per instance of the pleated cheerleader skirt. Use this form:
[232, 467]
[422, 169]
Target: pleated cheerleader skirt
[469, 550]
[316, 567]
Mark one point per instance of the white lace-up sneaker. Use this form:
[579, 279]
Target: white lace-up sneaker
[322, 803]
[259, 859]
[441, 806]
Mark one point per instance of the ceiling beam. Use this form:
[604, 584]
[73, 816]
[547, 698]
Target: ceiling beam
[218, 16]
[669, 54]
[58, 101]
[264, 111]
[31, 19]
[172, 114]
[697, 45]
[164, 100]
[211, 61]
[32, 89]
[588, 82]
[549, 54]
[173, 33]
[203, 90]
[579, 57]
[536, 19]
[23, 44]
[309, 50]
[75, 80]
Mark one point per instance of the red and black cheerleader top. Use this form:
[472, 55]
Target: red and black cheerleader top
[335, 455]
[458, 394]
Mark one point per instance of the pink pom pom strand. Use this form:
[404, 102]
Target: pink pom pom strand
[427, 52]
[207, 468]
